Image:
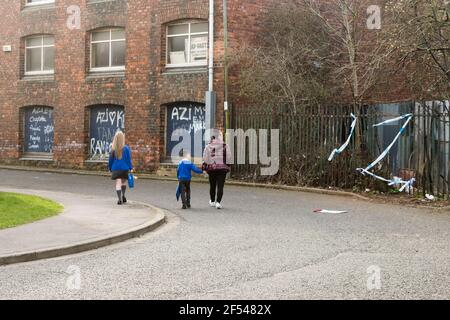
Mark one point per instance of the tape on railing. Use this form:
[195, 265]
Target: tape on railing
[388, 149]
[395, 180]
[347, 142]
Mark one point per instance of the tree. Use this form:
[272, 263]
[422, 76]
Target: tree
[290, 67]
[360, 53]
[419, 31]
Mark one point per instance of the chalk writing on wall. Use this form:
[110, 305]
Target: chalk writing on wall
[39, 129]
[105, 120]
[189, 116]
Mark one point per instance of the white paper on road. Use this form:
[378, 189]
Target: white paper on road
[329, 211]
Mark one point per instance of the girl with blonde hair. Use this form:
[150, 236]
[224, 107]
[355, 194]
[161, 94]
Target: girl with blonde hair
[120, 165]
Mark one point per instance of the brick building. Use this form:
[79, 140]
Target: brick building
[73, 71]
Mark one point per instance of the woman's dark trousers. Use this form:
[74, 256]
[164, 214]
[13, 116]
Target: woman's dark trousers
[216, 182]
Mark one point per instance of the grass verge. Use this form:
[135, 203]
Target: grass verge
[17, 209]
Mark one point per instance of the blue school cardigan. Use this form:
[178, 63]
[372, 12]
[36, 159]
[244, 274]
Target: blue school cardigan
[124, 164]
[184, 170]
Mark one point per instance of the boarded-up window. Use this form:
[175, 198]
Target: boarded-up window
[39, 130]
[191, 117]
[105, 120]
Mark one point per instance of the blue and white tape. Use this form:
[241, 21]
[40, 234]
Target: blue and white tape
[344, 146]
[395, 180]
[409, 115]
[391, 182]
[388, 149]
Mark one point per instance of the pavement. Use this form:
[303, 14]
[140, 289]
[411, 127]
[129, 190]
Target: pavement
[87, 222]
[264, 244]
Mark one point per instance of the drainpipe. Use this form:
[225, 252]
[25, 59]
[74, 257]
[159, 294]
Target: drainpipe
[211, 47]
[210, 97]
[226, 106]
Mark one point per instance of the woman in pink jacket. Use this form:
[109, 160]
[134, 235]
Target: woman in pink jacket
[216, 157]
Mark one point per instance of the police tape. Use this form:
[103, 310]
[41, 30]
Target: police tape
[391, 182]
[409, 115]
[395, 180]
[388, 149]
[344, 146]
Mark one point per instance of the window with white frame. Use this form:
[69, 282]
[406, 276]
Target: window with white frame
[39, 55]
[38, 2]
[108, 49]
[187, 44]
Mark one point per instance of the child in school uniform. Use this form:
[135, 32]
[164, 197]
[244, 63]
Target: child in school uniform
[184, 174]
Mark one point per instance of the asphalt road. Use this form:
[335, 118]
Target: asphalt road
[265, 244]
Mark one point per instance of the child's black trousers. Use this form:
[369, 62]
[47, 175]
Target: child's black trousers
[185, 188]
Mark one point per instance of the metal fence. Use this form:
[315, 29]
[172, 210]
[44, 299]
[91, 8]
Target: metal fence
[308, 137]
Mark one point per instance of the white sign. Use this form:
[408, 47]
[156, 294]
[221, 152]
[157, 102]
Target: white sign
[7, 48]
[199, 48]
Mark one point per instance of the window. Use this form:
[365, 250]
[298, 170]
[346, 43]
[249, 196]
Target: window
[39, 55]
[187, 44]
[38, 2]
[108, 50]
[39, 130]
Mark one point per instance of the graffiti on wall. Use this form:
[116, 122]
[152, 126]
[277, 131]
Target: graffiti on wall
[39, 130]
[187, 116]
[104, 123]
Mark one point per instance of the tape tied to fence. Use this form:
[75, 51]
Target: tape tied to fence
[391, 182]
[395, 180]
[347, 142]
